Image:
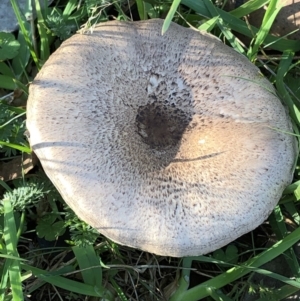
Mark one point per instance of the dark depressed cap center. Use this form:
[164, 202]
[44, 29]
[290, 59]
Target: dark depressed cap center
[161, 124]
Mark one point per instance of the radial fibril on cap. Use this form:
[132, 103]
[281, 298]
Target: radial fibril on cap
[163, 143]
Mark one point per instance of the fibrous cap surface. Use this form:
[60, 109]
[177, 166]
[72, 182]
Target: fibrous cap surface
[165, 143]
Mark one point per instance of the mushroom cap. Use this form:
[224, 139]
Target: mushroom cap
[169, 144]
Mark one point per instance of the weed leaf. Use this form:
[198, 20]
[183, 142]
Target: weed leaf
[8, 46]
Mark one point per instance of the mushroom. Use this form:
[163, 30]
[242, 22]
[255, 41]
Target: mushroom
[173, 144]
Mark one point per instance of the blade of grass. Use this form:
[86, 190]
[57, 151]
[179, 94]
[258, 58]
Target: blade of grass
[209, 25]
[4, 279]
[217, 295]
[142, 9]
[282, 293]
[10, 238]
[25, 149]
[69, 285]
[12, 119]
[240, 26]
[21, 60]
[286, 280]
[231, 38]
[21, 22]
[16, 110]
[21, 86]
[71, 5]
[45, 49]
[292, 187]
[297, 193]
[170, 16]
[12, 257]
[88, 260]
[5, 186]
[248, 7]
[37, 284]
[292, 210]
[277, 223]
[227, 33]
[119, 291]
[200, 291]
[283, 68]
[280, 38]
[267, 22]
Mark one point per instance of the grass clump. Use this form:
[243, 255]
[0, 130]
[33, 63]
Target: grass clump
[47, 253]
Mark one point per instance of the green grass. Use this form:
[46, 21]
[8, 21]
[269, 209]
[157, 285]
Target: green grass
[47, 252]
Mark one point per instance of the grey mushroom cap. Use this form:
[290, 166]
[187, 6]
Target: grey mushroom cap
[172, 144]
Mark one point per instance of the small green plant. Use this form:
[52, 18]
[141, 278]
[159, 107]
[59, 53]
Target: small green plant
[12, 128]
[81, 234]
[9, 47]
